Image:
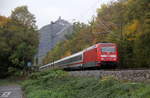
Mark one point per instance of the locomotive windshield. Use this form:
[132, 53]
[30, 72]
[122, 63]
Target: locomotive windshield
[108, 49]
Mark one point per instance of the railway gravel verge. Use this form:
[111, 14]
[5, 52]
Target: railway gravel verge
[127, 75]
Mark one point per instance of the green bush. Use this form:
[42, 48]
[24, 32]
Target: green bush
[39, 94]
[57, 84]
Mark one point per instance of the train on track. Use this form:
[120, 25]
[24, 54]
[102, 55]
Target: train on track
[101, 55]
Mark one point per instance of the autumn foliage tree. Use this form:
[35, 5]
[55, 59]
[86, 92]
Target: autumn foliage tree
[18, 41]
[125, 22]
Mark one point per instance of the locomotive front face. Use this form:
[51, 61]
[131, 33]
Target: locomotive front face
[108, 52]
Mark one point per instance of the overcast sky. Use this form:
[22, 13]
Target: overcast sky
[46, 11]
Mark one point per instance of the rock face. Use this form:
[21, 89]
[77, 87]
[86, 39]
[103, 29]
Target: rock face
[50, 35]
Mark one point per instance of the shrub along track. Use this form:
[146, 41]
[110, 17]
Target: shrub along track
[139, 75]
[58, 84]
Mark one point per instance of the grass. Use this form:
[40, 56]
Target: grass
[57, 84]
[13, 80]
[4, 82]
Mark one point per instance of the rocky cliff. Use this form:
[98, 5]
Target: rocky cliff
[50, 35]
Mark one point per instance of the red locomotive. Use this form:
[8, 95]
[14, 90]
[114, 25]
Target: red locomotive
[96, 56]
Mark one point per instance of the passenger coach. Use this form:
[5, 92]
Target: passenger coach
[97, 56]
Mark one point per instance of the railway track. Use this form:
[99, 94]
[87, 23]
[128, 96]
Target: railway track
[139, 75]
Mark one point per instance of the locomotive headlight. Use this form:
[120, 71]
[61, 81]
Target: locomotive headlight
[114, 56]
[102, 59]
[103, 55]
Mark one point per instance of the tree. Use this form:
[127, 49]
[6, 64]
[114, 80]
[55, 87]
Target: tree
[24, 16]
[4, 48]
[142, 47]
[25, 38]
[18, 41]
[124, 22]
